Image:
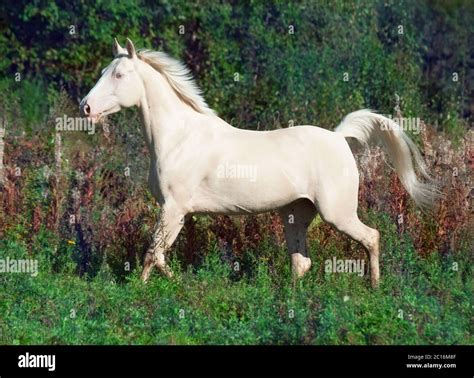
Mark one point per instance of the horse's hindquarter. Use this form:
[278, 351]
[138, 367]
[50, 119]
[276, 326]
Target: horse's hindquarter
[256, 171]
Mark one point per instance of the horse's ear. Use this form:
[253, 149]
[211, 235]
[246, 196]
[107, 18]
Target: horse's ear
[130, 49]
[117, 49]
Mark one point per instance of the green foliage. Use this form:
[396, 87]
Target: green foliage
[419, 302]
[290, 58]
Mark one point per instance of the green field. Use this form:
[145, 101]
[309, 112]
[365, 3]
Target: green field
[420, 301]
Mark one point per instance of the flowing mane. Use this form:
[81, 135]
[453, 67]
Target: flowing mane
[179, 77]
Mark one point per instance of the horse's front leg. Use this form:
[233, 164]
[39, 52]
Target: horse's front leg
[170, 222]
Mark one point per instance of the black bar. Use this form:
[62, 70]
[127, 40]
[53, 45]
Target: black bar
[330, 361]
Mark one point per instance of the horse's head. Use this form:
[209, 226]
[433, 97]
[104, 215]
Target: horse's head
[120, 85]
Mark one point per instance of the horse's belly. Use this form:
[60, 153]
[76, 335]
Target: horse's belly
[252, 194]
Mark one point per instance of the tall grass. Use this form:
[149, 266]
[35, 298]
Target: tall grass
[420, 301]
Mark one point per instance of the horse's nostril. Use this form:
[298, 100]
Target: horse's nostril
[87, 109]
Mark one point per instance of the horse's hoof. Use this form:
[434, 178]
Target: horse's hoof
[300, 264]
[145, 275]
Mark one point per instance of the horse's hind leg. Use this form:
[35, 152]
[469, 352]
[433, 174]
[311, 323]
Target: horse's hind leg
[368, 237]
[297, 217]
[340, 210]
[170, 223]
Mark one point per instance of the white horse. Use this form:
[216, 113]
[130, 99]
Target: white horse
[201, 164]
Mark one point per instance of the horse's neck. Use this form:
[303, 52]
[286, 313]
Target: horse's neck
[164, 117]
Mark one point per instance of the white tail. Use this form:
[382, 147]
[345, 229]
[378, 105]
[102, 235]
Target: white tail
[369, 127]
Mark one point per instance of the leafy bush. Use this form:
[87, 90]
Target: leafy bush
[290, 58]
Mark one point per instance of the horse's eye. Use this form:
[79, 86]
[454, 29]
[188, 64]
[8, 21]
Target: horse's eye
[118, 75]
